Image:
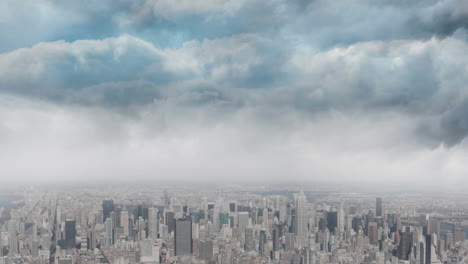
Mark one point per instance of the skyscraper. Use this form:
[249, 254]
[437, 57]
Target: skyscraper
[183, 237]
[170, 221]
[373, 232]
[70, 234]
[301, 220]
[378, 207]
[249, 239]
[124, 222]
[206, 249]
[13, 234]
[433, 227]
[332, 221]
[109, 232]
[262, 241]
[277, 233]
[107, 208]
[406, 242]
[243, 220]
[153, 223]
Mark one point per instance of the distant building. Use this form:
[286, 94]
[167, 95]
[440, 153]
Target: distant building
[378, 207]
[70, 234]
[107, 208]
[373, 232]
[301, 220]
[183, 245]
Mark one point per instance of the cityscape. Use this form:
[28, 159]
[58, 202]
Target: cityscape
[233, 131]
[231, 223]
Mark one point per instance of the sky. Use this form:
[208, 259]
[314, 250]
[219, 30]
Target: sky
[234, 90]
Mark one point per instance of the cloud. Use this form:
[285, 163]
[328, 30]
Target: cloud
[322, 23]
[420, 78]
[312, 87]
[169, 142]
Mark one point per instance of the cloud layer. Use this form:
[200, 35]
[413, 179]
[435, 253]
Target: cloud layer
[234, 89]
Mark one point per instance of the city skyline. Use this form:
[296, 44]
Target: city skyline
[223, 90]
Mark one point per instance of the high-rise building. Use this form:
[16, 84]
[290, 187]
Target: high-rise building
[249, 239]
[109, 232]
[433, 227]
[373, 232]
[378, 207]
[301, 220]
[243, 221]
[13, 234]
[70, 234]
[206, 250]
[458, 234]
[232, 207]
[170, 221]
[183, 245]
[223, 219]
[153, 223]
[277, 233]
[332, 221]
[406, 242]
[107, 208]
[262, 241]
[124, 222]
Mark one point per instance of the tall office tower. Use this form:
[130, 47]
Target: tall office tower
[301, 220]
[332, 221]
[153, 223]
[124, 222]
[289, 241]
[261, 242]
[170, 221]
[458, 234]
[433, 227]
[373, 232]
[183, 237]
[107, 208]
[277, 203]
[326, 241]
[211, 206]
[206, 250]
[422, 220]
[232, 207]
[13, 234]
[341, 217]
[249, 239]
[449, 239]
[141, 228]
[109, 232]
[356, 223]
[167, 200]
[243, 221]
[70, 234]
[282, 212]
[378, 207]
[276, 237]
[265, 223]
[113, 217]
[406, 242]
[223, 219]
[204, 204]
[421, 254]
[431, 256]
[216, 213]
[91, 234]
[118, 211]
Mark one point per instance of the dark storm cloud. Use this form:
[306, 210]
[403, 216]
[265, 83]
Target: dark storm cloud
[197, 80]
